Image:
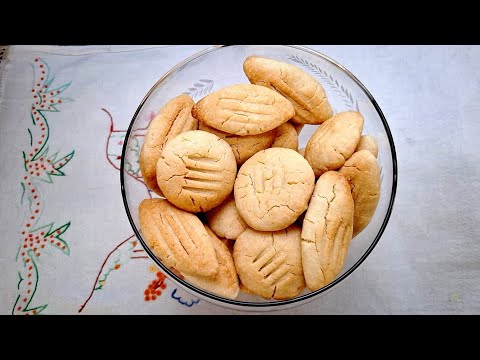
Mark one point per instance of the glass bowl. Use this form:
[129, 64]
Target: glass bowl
[220, 66]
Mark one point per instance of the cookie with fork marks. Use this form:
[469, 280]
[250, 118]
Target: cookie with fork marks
[196, 171]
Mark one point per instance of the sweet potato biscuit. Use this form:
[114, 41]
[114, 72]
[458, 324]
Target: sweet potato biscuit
[244, 109]
[363, 173]
[177, 238]
[196, 171]
[225, 221]
[306, 94]
[243, 147]
[174, 118]
[334, 141]
[369, 143]
[273, 188]
[225, 282]
[327, 230]
[286, 137]
[270, 263]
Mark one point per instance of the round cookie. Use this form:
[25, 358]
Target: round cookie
[334, 141]
[269, 264]
[174, 118]
[225, 221]
[273, 188]
[243, 147]
[196, 171]
[302, 152]
[286, 137]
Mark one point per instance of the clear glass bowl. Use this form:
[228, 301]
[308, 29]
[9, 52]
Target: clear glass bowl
[220, 66]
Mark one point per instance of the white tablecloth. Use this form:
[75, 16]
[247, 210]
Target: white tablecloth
[83, 255]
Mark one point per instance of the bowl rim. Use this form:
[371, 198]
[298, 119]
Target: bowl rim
[276, 303]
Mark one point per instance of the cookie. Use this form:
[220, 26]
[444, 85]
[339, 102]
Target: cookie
[245, 290]
[225, 221]
[334, 141]
[273, 188]
[286, 137]
[269, 264]
[327, 230]
[305, 93]
[302, 152]
[363, 173]
[369, 143]
[177, 238]
[174, 118]
[243, 147]
[225, 282]
[196, 171]
[244, 109]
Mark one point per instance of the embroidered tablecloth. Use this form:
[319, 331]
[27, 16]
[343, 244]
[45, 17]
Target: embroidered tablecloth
[68, 248]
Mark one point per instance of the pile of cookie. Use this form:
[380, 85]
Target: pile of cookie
[242, 208]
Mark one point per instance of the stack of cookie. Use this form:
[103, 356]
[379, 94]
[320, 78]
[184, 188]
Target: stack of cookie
[242, 208]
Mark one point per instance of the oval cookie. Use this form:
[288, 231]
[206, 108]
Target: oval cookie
[174, 118]
[225, 282]
[363, 173]
[244, 109]
[327, 230]
[273, 188]
[225, 221]
[286, 137]
[369, 143]
[243, 147]
[269, 264]
[177, 238]
[306, 94]
[196, 171]
[334, 141]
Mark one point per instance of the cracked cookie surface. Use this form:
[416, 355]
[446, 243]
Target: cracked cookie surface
[225, 220]
[174, 118]
[303, 91]
[363, 173]
[243, 147]
[334, 141]
[196, 171]
[225, 282]
[269, 264]
[244, 109]
[273, 188]
[327, 230]
[178, 238]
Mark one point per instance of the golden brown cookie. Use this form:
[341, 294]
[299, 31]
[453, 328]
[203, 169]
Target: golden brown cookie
[225, 221]
[174, 118]
[369, 143]
[245, 290]
[327, 230]
[273, 188]
[244, 109]
[196, 171]
[286, 137]
[177, 238]
[306, 93]
[363, 173]
[270, 263]
[334, 141]
[243, 146]
[225, 282]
